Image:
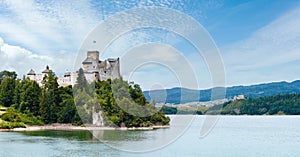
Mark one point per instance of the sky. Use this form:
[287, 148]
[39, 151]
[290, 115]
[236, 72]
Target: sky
[258, 41]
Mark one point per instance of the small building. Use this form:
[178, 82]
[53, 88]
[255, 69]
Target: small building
[239, 97]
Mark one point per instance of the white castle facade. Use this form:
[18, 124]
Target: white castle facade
[93, 68]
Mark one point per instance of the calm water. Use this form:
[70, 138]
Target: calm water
[232, 136]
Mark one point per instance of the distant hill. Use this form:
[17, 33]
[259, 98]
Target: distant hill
[253, 91]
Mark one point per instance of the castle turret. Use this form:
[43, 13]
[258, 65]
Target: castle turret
[31, 74]
[47, 70]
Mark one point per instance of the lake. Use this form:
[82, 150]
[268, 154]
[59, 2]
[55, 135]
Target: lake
[232, 136]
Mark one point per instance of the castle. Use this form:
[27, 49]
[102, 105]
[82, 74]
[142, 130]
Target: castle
[93, 68]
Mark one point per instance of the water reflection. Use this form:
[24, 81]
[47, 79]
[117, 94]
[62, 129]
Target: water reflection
[71, 135]
[95, 135]
[118, 135]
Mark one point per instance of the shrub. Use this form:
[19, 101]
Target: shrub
[11, 117]
[11, 125]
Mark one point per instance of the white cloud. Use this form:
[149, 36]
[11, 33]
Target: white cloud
[275, 44]
[154, 51]
[21, 60]
[47, 27]
[37, 34]
[1, 42]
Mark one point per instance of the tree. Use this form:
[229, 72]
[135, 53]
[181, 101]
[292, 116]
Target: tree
[30, 97]
[17, 92]
[50, 99]
[68, 111]
[7, 74]
[7, 89]
[81, 80]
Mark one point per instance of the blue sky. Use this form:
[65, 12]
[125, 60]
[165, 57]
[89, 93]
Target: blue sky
[259, 41]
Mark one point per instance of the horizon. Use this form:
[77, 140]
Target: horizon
[258, 40]
[260, 83]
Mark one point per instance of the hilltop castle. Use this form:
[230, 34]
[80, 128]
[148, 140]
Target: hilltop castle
[93, 68]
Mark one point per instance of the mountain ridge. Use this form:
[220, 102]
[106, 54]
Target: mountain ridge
[178, 95]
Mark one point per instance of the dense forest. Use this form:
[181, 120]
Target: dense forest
[27, 103]
[282, 104]
[288, 104]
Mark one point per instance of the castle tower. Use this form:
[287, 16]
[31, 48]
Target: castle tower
[46, 71]
[95, 69]
[93, 54]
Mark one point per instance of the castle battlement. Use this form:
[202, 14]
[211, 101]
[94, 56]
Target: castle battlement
[93, 68]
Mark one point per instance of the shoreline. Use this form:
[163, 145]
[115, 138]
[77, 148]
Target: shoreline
[69, 127]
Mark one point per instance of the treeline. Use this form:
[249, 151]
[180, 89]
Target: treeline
[50, 103]
[283, 104]
[288, 104]
[178, 109]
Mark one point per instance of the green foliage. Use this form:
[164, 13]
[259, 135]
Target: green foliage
[81, 80]
[11, 117]
[15, 117]
[169, 110]
[11, 125]
[121, 103]
[7, 89]
[29, 97]
[280, 104]
[280, 113]
[50, 99]
[184, 109]
[7, 74]
[125, 104]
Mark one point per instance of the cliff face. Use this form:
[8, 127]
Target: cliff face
[98, 118]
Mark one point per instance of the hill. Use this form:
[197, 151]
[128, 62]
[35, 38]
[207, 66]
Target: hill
[288, 104]
[174, 95]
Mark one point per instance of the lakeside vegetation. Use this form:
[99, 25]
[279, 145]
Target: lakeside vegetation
[24, 102]
[282, 104]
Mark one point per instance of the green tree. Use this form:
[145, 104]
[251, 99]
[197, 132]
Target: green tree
[7, 74]
[67, 114]
[7, 89]
[17, 93]
[81, 81]
[50, 99]
[30, 97]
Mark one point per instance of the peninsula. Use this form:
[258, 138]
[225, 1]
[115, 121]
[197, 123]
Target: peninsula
[98, 99]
